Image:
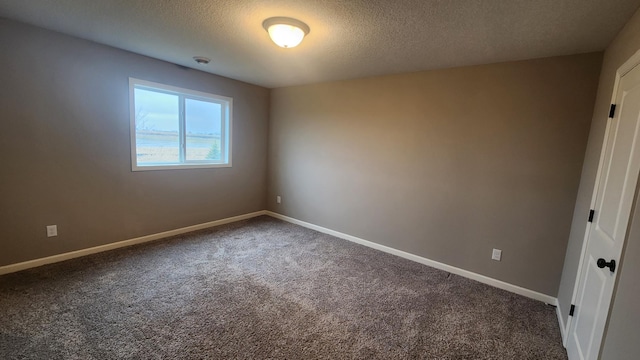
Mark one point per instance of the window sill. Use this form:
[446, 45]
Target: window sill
[178, 167]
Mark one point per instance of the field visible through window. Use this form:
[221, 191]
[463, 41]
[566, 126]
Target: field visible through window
[164, 147]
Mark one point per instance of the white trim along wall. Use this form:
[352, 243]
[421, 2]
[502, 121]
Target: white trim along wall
[120, 244]
[438, 265]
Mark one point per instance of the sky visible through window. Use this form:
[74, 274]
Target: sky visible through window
[157, 111]
[158, 133]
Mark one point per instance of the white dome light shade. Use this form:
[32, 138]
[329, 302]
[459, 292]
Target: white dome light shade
[286, 36]
[286, 32]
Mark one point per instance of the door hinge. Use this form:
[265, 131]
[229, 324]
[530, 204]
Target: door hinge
[573, 308]
[612, 111]
[591, 213]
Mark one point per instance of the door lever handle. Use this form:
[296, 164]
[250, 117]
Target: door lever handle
[603, 263]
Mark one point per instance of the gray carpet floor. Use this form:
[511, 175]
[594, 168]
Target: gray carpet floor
[264, 289]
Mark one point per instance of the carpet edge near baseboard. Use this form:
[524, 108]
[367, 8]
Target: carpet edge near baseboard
[11, 268]
[6, 269]
[432, 263]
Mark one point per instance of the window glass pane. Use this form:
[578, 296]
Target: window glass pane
[157, 127]
[203, 128]
[178, 128]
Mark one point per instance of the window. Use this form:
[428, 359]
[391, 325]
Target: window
[174, 128]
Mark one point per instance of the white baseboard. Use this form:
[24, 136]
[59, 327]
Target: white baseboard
[93, 250]
[438, 265]
[563, 327]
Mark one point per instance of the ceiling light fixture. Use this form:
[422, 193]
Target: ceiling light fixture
[286, 32]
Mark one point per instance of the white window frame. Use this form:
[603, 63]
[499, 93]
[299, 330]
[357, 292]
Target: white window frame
[226, 123]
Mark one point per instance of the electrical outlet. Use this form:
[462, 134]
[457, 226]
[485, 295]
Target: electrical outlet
[278, 199]
[52, 230]
[496, 255]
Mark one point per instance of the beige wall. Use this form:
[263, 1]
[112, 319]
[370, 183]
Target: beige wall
[443, 164]
[64, 148]
[626, 43]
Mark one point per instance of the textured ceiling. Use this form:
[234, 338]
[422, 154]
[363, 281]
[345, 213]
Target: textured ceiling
[348, 39]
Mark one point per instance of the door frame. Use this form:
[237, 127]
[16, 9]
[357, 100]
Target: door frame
[627, 66]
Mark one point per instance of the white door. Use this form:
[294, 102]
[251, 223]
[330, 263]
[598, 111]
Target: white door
[614, 197]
